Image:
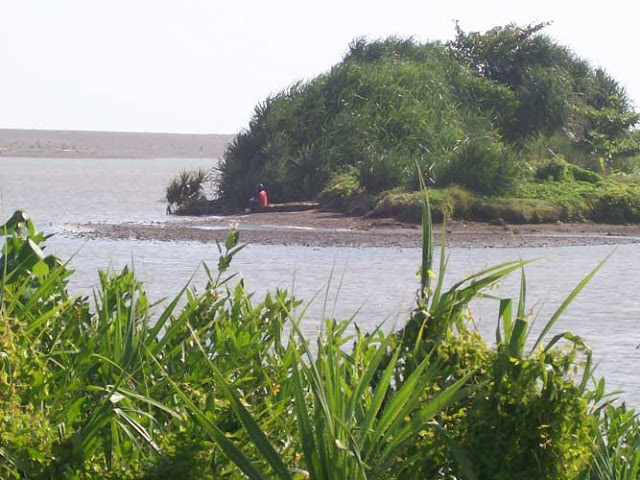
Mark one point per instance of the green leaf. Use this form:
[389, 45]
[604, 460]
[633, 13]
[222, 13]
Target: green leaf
[574, 293]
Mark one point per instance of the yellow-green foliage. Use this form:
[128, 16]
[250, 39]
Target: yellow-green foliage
[342, 189]
[532, 416]
[533, 202]
[527, 418]
[605, 201]
[457, 203]
[26, 432]
[558, 169]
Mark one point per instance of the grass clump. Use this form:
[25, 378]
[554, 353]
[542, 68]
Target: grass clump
[605, 201]
[458, 203]
[558, 169]
[214, 384]
[344, 193]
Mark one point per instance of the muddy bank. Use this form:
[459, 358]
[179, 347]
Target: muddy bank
[317, 228]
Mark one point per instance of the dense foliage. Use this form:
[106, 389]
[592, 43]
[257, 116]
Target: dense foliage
[212, 386]
[482, 112]
[186, 189]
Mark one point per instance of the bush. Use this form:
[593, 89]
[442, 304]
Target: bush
[557, 170]
[532, 414]
[450, 202]
[571, 196]
[341, 190]
[605, 201]
[583, 175]
[484, 166]
[616, 204]
[187, 188]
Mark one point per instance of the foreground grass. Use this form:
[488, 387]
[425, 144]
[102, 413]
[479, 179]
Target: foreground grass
[210, 386]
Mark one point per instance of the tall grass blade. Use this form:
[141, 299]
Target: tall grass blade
[504, 316]
[442, 268]
[316, 460]
[554, 318]
[256, 434]
[427, 241]
[234, 453]
[423, 415]
[378, 398]
[522, 300]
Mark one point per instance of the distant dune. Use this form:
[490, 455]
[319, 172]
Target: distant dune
[59, 143]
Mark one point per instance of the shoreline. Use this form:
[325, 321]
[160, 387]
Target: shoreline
[21, 143]
[316, 228]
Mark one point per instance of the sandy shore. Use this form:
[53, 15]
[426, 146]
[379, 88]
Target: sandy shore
[77, 144]
[317, 228]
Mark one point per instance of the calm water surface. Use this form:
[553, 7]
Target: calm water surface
[60, 191]
[379, 284]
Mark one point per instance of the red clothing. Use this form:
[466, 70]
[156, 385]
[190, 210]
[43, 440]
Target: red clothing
[262, 197]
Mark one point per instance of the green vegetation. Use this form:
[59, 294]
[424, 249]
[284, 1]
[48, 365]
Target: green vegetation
[210, 385]
[187, 190]
[501, 114]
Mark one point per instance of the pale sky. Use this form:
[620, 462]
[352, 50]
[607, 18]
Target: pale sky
[196, 66]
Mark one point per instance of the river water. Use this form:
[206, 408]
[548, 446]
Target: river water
[374, 285]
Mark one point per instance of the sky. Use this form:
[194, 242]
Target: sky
[197, 66]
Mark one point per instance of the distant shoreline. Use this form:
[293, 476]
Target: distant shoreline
[89, 144]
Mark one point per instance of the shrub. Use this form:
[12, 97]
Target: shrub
[484, 166]
[187, 188]
[571, 196]
[557, 170]
[583, 175]
[403, 206]
[450, 202]
[605, 201]
[341, 190]
[616, 204]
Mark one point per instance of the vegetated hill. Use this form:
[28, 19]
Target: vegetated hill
[482, 111]
[60, 143]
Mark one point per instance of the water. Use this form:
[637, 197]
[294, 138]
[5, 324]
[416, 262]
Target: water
[377, 283]
[59, 192]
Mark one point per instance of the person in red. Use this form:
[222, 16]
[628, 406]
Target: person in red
[262, 196]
